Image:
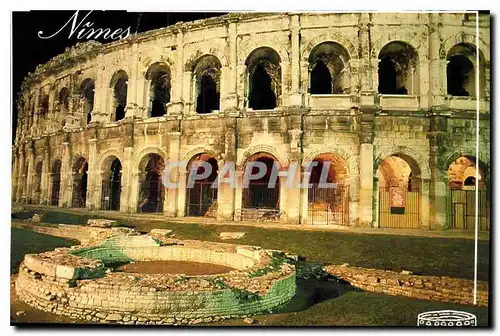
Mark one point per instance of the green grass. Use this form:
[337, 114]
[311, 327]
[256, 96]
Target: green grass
[27, 241]
[427, 256]
[357, 308]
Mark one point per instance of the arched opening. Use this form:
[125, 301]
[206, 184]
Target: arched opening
[44, 104]
[207, 73]
[111, 184]
[119, 83]
[461, 70]
[80, 178]
[63, 100]
[264, 79]
[263, 192]
[87, 95]
[399, 192]
[328, 190]
[160, 83]
[151, 189]
[55, 182]
[398, 69]
[37, 182]
[328, 64]
[462, 194]
[201, 194]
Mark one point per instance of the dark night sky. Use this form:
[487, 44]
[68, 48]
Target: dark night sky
[28, 50]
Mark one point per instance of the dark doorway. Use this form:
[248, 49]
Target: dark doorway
[201, 199]
[259, 194]
[80, 177]
[387, 77]
[151, 189]
[262, 96]
[321, 79]
[459, 71]
[56, 183]
[208, 98]
[111, 187]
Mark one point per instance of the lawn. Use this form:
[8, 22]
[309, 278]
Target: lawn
[315, 304]
[26, 241]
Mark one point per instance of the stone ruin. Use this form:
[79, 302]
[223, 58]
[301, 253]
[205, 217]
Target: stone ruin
[77, 282]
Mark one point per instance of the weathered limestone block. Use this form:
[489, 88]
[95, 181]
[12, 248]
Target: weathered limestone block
[231, 235]
[103, 223]
[161, 232]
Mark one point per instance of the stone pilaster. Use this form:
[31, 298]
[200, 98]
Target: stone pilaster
[438, 185]
[296, 95]
[170, 207]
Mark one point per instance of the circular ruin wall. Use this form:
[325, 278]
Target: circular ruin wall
[74, 282]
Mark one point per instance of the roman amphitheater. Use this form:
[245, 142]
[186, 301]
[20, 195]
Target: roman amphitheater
[389, 99]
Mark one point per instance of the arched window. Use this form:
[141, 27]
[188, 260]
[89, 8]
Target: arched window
[119, 83]
[87, 94]
[328, 63]
[264, 79]
[160, 83]
[44, 104]
[398, 69]
[206, 74]
[461, 70]
[63, 100]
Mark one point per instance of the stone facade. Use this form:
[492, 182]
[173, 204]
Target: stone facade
[417, 286]
[90, 115]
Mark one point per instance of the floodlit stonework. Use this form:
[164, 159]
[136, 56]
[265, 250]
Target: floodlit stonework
[78, 283]
[98, 123]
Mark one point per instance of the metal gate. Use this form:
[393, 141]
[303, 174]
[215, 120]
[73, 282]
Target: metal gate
[406, 216]
[201, 200]
[79, 196]
[110, 195]
[329, 206]
[258, 195]
[463, 211]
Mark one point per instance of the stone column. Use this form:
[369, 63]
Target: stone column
[304, 195]
[20, 178]
[181, 193]
[293, 193]
[438, 186]
[238, 193]
[170, 207]
[31, 171]
[368, 67]
[376, 202]
[436, 85]
[175, 106]
[44, 197]
[93, 175]
[230, 96]
[66, 191]
[366, 191]
[296, 97]
[226, 192]
[99, 109]
[129, 183]
[424, 192]
[14, 177]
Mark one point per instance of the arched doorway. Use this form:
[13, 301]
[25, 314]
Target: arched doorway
[111, 184]
[151, 189]
[56, 182]
[328, 190]
[328, 64]
[261, 196]
[398, 69]
[158, 75]
[463, 188]
[80, 178]
[201, 194]
[461, 70]
[264, 79]
[37, 182]
[207, 81]
[399, 201]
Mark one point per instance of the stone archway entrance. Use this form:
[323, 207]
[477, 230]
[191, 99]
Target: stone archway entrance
[151, 189]
[201, 195]
[399, 202]
[462, 195]
[328, 191]
[80, 178]
[37, 183]
[56, 182]
[111, 184]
